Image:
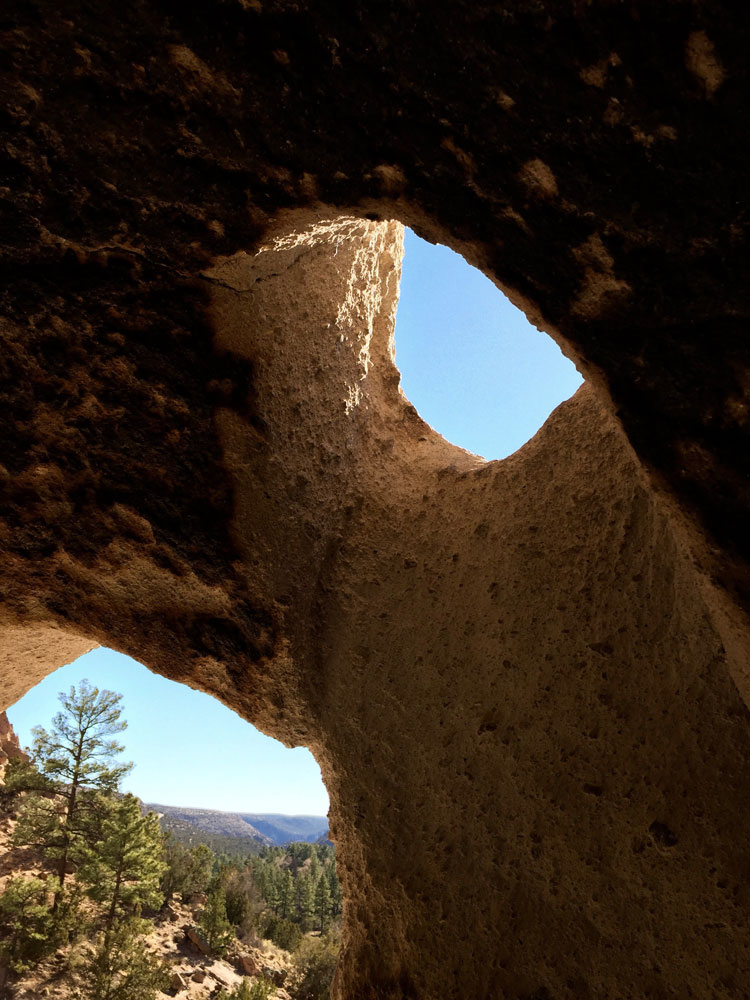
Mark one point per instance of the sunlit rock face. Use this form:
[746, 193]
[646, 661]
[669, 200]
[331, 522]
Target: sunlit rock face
[523, 680]
[10, 748]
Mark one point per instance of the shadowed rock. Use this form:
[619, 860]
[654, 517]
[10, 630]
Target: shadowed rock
[529, 672]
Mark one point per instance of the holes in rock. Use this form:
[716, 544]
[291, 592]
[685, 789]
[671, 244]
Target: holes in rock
[260, 807]
[474, 367]
[662, 835]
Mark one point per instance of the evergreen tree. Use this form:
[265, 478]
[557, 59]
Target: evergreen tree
[286, 894]
[306, 897]
[200, 869]
[42, 824]
[273, 888]
[299, 853]
[188, 869]
[314, 868]
[214, 922]
[122, 968]
[21, 776]
[322, 900]
[260, 989]
[123, 870]
[242, 898]
[334, 887]
[76, 754]
[259, 874]
[282, 932]
[27, 926]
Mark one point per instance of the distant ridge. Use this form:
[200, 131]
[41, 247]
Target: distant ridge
[288, 829]
[249, 831]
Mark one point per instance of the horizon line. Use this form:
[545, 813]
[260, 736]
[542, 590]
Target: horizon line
[240, 812]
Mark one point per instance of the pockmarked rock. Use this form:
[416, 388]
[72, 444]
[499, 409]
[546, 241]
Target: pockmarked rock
[526, 681]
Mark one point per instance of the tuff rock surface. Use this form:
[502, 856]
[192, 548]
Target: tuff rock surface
[535, 669]
[10, 748]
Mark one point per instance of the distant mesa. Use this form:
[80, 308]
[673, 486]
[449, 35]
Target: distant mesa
[235, 830]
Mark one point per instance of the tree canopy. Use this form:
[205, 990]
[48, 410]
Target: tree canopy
[77, 755]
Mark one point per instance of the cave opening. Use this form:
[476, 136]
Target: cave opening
[477, 371]
[242, 821]
[197, 754]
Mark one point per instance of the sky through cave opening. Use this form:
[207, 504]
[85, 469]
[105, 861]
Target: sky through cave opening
[188, 749]
[471, 363]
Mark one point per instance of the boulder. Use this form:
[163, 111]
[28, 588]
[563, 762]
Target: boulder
[197, 941]
[177, 982]
[247, 965]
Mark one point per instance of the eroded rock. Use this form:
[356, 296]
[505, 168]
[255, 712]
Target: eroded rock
[529, 671]
[10, 748]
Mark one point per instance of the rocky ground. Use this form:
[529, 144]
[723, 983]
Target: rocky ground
[196, 975]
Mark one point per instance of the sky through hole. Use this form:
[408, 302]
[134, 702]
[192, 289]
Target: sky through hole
[470, 362]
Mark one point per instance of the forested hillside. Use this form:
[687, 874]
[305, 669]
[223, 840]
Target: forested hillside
[288, 829]
[223, 832]
[253, 830]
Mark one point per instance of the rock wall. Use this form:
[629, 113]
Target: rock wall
[10, 748]
[530, 672]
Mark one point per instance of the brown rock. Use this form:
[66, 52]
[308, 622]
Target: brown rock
[197, 941]
[177, 982]
[220, 976]
[525, 681]
[198, 976]
[10, 748]
[247, 965]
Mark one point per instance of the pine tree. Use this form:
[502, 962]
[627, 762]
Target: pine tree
[260, 989]
[314, 866]
[306, 897]
[21, 776]
[122, 968]
[27, 931]
[214, 922]
[273, 889]
[42, 824]
[322, 900]
[123, 870]
[75, 755]
[286, 894]
[188, 869]
[334, 887]
[261, 878]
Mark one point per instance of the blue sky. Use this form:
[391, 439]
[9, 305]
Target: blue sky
[470, 362]
[480, 375]
[188, 748]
